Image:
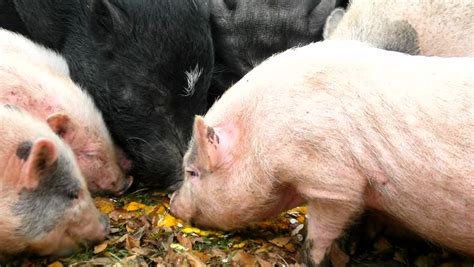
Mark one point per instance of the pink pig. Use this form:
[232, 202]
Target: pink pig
[46, 207]
[343, 127]
[36, 79]
[425, 27]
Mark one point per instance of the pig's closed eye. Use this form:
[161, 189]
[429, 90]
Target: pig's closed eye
[192, 173]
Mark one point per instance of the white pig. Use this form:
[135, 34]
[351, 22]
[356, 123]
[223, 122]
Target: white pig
[425, 27]
[344, 127]
[35, 79]
[46, 208]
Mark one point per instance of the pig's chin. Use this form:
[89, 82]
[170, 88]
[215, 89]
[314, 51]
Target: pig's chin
[288, 199]
[286, 202]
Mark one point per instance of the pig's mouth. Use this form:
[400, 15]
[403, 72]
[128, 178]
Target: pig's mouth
[127, 186]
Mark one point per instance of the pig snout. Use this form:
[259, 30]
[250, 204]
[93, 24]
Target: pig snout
[124, 186]
[111, 186]
[99, 232]
[181, 205]
[105, 229]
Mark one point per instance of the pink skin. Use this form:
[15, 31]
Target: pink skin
[80, 223]
[23, 84]
[383, 137]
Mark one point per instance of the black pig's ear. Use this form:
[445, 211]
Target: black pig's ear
[317, 16]
[107, 22]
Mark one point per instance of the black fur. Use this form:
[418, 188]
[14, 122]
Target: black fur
[131, 56]
[42, 208]
[246, 32]
[9, 17]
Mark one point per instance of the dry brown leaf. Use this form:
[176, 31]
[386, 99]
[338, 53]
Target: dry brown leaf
[118, 240]
[131, 242]
[194, 260]
[215, 252]
[121, 214]
[280, 241]
[183, 240]
[264, 263]
[204, 257]
[101, 247]
[263, 248]
[134, 261]
[244, 259]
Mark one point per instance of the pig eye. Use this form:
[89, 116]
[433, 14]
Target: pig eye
[73, 195]
[192, 173]
[88, 154]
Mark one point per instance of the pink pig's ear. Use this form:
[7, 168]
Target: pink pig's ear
[213, 144]
[43, 157]
[60, 124]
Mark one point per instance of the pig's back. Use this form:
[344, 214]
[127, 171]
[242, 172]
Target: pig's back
[42, 89]
[443, 28]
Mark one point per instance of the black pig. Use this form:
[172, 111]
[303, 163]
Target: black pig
[147, 64]
[245, 32]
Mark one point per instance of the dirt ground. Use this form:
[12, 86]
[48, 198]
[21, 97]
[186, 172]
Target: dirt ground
[143, 233]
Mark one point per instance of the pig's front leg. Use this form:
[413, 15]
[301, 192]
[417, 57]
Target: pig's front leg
[326, 222]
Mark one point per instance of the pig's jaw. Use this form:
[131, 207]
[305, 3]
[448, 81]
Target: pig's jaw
[288, 198]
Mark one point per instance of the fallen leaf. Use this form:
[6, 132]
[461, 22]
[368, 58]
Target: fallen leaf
[168, 221]
[134, 206]
[290, 247]
[131, 242]
[178, 248]
[120, 214]
[101, 247]
[215, 252]
[244, 259]
[204, 257]
[280, 241]
[240, 245]
[264, 263]
[194, 261]
[183, 240]
[104, 205]
[134, 261]
[56, 264]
